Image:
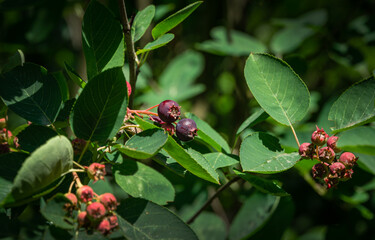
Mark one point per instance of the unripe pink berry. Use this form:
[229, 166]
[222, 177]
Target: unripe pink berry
[348, 159]
[104, 227]
[331, 142]
[337, 169]
[95, 211]
[129, 88]
[96, 171]
[85, 193]
[109, 201]
[319, 137]
[326, 154]
[320, 171]
[73, 201]
[306, 150]
[113, 221]
[82, 219]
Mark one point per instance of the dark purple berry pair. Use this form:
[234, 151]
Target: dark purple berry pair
[169, 112]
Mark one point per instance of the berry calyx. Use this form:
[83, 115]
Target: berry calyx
[326, 154]
[96, 171]
[168, 127]
[85, 193]
[95, 211]
[319, 137]
[320, 171]
[109, 201]
[331, 142]
[306, 150]
[348, 159]
[169, 111]
[186, 129]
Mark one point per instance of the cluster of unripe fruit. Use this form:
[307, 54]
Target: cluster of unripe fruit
[95, 212]
[333, 167]
[168, 114]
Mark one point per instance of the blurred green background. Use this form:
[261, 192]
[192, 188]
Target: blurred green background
[330, 44]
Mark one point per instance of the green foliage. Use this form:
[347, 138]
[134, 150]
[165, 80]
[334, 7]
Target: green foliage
[142, 21]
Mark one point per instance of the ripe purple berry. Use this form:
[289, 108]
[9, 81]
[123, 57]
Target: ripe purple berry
[306, 150]
[169, 111]
[331, 142]
[319, 137]
[326, 154]
[186, 129]
[348, 159]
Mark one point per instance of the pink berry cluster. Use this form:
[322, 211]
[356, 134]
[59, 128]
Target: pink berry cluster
[6, 138]
[99, 213]
[168, 114]
[333, 167]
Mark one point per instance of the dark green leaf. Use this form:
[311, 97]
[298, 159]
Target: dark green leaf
[209, 135]
[209, 226]
[173, 20]
[220, 160]
[142, 21]
[262, 184]
[366, 162]
[257, 117]
[253, 215]
[54, 211]
[74, 76]
[160, 42]
[262, 153]
[103, 40]
[359, 140]
[100, 109]
[63, 85]
[17, 59]
[164, 159]
[140, 219]
[44, 166]
[277, 88]
[139, 180]
[355, 106]
[144, 144]
[66, 110]
[32, 93]
[34, 136]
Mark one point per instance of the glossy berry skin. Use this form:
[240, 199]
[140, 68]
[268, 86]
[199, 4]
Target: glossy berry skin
[326, 154]
[186, 129]
[348, 159]
[109, 201]
[169, 111]
[319, 137]
[306, 150]
[331, 142]
[95, 211]
[85, 193]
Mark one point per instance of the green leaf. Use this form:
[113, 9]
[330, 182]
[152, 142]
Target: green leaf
[366, 162]
[277, 88]
[139, 180]
[144, 144]
[100, 109]
[209, 135]
[255, 118]
[17, 59]
[160, 42]
[220, 160]
[360, 139]
[167, 161]
[10, 163]
[262, 153]
[142, 21]
[32, 93]
[140, 219]
[209, 226]
[102, 39]
[173, 20]
[74, 76]
[54, 211]
[289, 39]
[253, 215]
[63, 85]
[262, 184]
[192, 161]
[44, 166]
[34, 136]
[355, 106]
[239, 43]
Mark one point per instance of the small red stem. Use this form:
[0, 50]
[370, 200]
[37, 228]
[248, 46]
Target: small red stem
[152, 107]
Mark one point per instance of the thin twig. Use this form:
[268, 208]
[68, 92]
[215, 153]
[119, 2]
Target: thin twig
[295, 135]
[132, 56]
[208, 202]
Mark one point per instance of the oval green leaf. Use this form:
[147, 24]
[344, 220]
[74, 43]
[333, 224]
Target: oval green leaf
[100, 109]
[359, 140]
[142, 21]
[144, 144]
[277, 88]
[255, 118]
[44, 166]
[141, 181]
[140, 219]
[355, 106]
[209, 226]
[34, 136]
[54, 211]
[74, 76]
[158, 43]
[102, 39]
[173, 20]
[262, 153]
[220, 160]
[32, 93]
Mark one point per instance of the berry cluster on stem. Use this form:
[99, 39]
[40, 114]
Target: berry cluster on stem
[333, 167]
